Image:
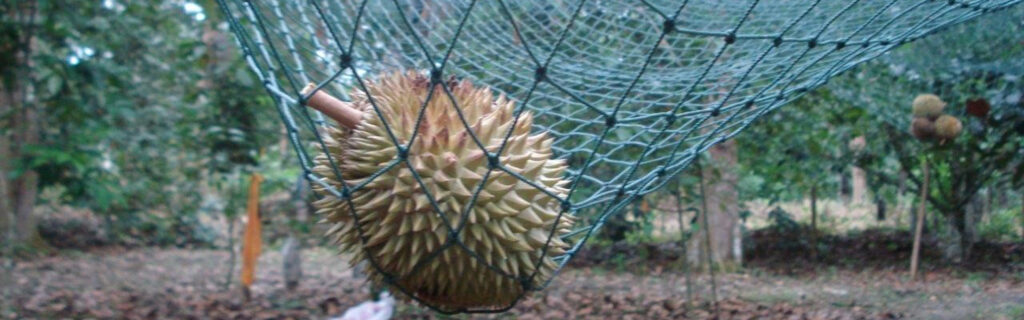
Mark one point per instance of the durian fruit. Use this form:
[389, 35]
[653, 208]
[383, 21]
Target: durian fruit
[947, 127]
[922, 128]
[928, 106]
[507, 226]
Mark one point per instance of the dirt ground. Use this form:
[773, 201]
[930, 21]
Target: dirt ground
[173, 283]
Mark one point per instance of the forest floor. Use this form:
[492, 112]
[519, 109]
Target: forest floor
[152, 283]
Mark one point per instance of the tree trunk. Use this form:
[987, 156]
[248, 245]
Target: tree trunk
[953, 241]
[683, 238]
[707, 250]
[8, 216]
[232, 254]
[814, 221]
[958, 244]
[722, 212]
[858, 177]
[291, 253]
[859, 186]
[880, 209]
[20, 118]
[292, 249]
[900, 189]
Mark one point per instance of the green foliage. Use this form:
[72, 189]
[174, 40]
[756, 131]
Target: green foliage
[799, 147]
[986, 154]
[644, 232]
[128, 129]
[1003, 225]
[783, 221]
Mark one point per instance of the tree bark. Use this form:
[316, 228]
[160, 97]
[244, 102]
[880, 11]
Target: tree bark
[232, 254]
[900, 189]
[843, 191]
[880, 209]
[858, 177]
[722, 212]
[814, 221]
[959, 242]
[292, 249]
[20, 118]
[683, 238]
[859, 186]
[706, 228]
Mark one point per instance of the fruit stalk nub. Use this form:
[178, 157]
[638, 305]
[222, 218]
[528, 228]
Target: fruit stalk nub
[340, 111]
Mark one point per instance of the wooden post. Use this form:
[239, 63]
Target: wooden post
[252, 240]
[916, 253]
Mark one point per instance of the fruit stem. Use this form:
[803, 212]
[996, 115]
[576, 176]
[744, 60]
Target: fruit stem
[342, 112]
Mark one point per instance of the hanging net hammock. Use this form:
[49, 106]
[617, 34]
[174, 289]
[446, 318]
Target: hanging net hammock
[488, 140]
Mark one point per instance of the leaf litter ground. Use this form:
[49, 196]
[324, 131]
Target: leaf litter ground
[189, 284]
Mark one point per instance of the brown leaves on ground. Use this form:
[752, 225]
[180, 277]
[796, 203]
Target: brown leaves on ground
[188, 284]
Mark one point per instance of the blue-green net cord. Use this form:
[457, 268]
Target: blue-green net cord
[632, 91]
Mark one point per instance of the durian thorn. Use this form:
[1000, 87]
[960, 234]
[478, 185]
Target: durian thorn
[342, 112]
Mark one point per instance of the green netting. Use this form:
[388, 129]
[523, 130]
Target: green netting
[632, 91]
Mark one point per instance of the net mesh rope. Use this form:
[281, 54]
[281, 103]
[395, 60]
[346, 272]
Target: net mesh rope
[632, 91]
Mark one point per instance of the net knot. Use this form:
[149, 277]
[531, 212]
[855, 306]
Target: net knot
[540, 74]
[453, 236]
[436, 74]
[345, 60]
[526, 283]
[492, 161]
[668, 26]
[403, 153]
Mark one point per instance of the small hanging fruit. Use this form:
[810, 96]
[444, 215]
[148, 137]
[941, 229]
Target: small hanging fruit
[922, 128]
[947, 127]
[929, 123]
[928, 106]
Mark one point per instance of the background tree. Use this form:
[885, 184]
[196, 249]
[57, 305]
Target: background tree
[123, 125]
[969, 67]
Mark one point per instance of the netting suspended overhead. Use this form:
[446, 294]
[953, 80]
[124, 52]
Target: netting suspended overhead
[628, 92]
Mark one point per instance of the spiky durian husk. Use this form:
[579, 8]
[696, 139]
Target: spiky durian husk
[508, 224]
[922, 128]
[928, 105]
[947, 127]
